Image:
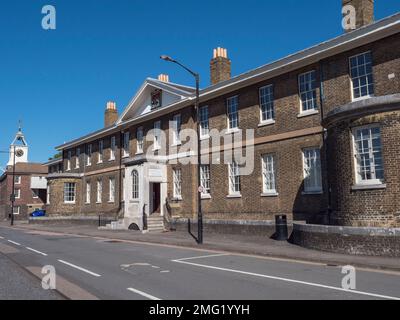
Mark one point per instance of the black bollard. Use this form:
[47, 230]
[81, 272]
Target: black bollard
[281, 233]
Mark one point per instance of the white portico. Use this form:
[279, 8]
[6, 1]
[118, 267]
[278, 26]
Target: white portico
[145, 191]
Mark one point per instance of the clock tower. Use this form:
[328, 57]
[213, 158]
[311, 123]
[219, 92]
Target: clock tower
[21, 149]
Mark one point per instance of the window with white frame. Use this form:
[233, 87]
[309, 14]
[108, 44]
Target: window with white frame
[17, 193]
[135, 184]
[176, 129]
[17, 179]
[361, 75]
[234, 178]
[267, 103]
[111, 189]
[89, 155]
[78, 157]
[204, 122]
[88, 192]
[69, 192]
[157, 135]
[113, 147]
[101, 152]
[16, 210]
[139, 140]
[205, 179]
[99, 191]
[312, 170]
[307, 91]
[269, 174]
[177, 179]
[126, 144]
[232, 112]
[368, 154]
[69, 156]
[35, 193]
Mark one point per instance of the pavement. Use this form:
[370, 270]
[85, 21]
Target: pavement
[18, 284]
[101, 266]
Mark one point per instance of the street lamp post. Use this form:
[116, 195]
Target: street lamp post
[197, 103]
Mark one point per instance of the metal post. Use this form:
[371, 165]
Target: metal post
[199, 209]
[197, 108]
[13, 190]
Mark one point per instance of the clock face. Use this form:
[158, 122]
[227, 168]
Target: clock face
[19, 153]
[156, 99]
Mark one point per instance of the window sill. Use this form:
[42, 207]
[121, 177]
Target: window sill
[270, 195]
[176, 144]
[206, 196]
[307, 113]
[65, 202]
[139, 153]
[362, 98]
[100, 162]
[360, 187]
[87, 203]
[266, 123]
[125, 156]
[111, 160]
[207, 137]
[310, 193]
[232, 131]
[177, 199]
[234, 196]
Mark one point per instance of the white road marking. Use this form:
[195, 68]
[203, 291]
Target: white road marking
[36, 251]
[288, 280]
[143, 294]
[79, 268]
[16, 243]
[1, 237]
[203, 257]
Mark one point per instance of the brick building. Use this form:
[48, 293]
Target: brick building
[326, 124]
[30, 182]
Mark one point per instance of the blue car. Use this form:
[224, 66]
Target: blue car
[38, 213]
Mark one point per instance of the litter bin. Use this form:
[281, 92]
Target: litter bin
[281, 228]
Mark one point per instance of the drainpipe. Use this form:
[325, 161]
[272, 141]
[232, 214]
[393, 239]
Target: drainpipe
[324, 139]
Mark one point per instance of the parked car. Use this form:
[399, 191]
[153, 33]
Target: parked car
[38, 213]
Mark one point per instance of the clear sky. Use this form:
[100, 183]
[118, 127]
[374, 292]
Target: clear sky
[58, 82]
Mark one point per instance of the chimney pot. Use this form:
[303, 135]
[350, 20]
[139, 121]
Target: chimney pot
[163, 77]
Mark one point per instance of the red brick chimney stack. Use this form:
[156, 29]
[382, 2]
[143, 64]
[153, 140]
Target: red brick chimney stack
[111, 114]
[220, 66]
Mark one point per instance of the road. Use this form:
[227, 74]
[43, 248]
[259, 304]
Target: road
[94, 268]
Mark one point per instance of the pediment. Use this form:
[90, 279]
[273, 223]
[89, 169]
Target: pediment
[154, 94]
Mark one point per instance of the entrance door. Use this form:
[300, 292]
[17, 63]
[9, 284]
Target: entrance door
[156, 198]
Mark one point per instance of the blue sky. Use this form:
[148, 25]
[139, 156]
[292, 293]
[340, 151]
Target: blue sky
[58, 82]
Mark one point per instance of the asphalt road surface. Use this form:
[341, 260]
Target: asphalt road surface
[93, 268]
